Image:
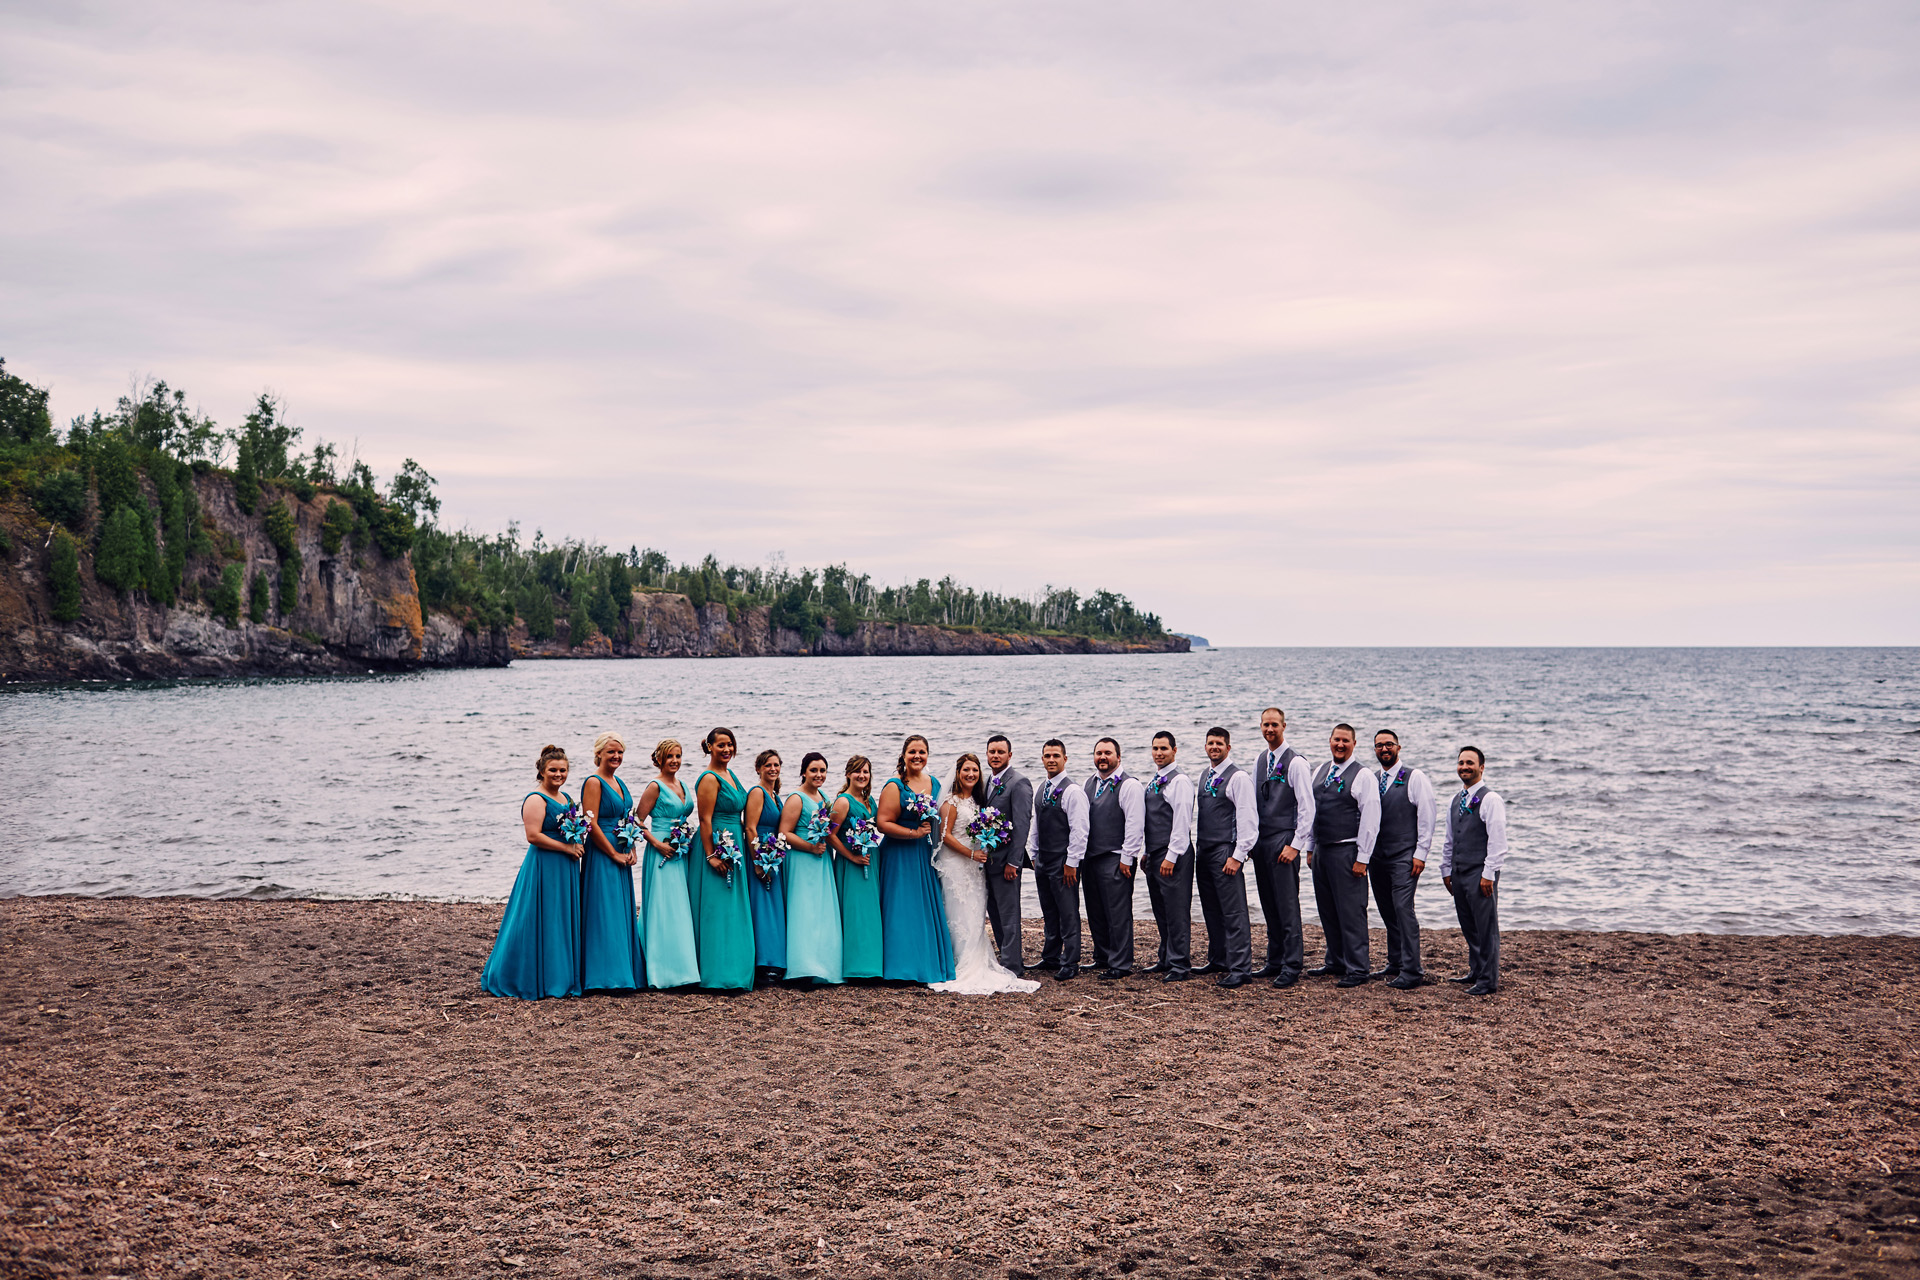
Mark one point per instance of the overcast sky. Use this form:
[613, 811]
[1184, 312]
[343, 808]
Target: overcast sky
[1297, 323]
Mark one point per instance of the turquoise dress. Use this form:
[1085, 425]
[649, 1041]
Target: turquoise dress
[813, 908]
[610, 956]
[860, 933]
[537, 951]
[916, 945]
[666, 913]
[722, 919]
[768, 900]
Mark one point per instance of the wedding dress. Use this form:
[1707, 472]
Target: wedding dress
[977, 971]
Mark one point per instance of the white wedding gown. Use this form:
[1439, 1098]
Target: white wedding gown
[977, 970]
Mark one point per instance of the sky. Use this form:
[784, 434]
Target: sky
[1467, 323]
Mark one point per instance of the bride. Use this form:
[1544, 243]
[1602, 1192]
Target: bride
[977, 970]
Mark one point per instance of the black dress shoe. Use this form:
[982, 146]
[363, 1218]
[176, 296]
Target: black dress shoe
[1324, 971]
[1482, 989]
[1383, 975]
[1465, 979]
[1352, 980]
[1114, 975]
[1176, 975]
[1209, 968]
[1231, 980]
[1067, 973]
[1266, 971]
[1286, 980]
[1162, 967]
[1407, 982]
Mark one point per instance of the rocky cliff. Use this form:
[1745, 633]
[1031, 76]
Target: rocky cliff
[355, 610]
[664, 625]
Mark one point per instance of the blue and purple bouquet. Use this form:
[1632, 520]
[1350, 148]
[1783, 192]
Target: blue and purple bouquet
[573, 825]
[681, 834]
[863, 837]
[989, 830]
[817, 825]
[628, 833]
[918, 809]
[769, 854]
[727, 849]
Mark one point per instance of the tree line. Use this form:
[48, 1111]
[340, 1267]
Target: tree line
[154, 538]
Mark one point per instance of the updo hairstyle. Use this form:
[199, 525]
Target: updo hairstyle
[666, 748]
[714, 735]
[548, 752]
[900, 767]
[605, 740]
[854, 765]
[806, 763]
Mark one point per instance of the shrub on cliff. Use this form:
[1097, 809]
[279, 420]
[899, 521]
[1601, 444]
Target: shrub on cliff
[66, 578]
[225, 598]
[246, 479]
[62, 498]
[283, 532]
[120, 561]
[337, 525]
[259, 598]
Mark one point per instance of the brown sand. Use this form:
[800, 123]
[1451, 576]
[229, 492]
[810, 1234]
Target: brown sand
[215, 1089]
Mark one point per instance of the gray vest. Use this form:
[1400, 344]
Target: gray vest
[1159, 820]
[1106, 821]
[1050, 826]
[1336, 811]
[1399, 824]
[1469, 829]
[1217, 816]
[1279, 810]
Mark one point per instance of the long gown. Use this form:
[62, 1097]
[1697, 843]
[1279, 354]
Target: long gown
[610, 955]
[769, 901]
[723, 922]
[915, 946]
[666, 914]
[537, 951]
[963, 882]
[813, 907]
[860, 931]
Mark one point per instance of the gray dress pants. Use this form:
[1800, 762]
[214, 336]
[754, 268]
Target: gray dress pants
[1279, 886]
[1003, 913]
[1172, 900]
[1393, 886]
[1342, 898]
[1479, 924]
[1059, 912]
[1109, 910]
[1223, 904]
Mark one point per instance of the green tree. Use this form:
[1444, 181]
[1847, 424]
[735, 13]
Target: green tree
[412, 492]
[66, 578]
[579, 623]
[259, 598]
[120, 560]
[283, 531]
[153, 572]
[23, 411]
[246, 478]
[62, 497]
[336, 526]
[225, 598]
[270, 438]
[537, 610]
[115, 475]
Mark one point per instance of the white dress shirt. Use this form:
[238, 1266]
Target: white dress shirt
[1246, 810]
[1366, 789]
[1493, 811]
[1300, 778]
[1420, 796]
[1133, 809]
[1177, 788]
[1073, 799]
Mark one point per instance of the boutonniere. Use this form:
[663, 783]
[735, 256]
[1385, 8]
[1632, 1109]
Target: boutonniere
[1213, 785]
[999, 785]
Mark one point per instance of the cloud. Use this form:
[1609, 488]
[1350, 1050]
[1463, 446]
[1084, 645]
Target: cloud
[1280, 320]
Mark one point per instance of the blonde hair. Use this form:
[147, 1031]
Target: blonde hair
[666, 748]
[605, 740]
[548, 752]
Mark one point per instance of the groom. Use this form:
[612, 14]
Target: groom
[1008, 791]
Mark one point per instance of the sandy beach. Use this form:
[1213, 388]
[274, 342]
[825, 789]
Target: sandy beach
[297, 1088]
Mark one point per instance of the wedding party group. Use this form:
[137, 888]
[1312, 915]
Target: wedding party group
[750, 885]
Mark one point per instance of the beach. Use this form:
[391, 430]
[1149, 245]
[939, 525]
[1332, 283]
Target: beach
[227, 1088]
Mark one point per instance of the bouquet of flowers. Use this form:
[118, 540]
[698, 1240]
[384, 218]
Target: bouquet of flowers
[918, 809]
[681, 834]
[573, 825]
[628, 833]
[727, 849]
[990, 829]
[817, 825]
[769, 854]
[863, 837]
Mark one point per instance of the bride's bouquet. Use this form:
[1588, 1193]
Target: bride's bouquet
[680, 835]
[989, 830]
[573, 825]
[769, 854]
[727, 849]
[628, 833]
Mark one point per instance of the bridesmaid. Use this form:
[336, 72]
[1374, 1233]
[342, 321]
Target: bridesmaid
[858, 879]
[610, 956]
[767, 894]
[666, 913]
[813, 903]
[723, 922]
[537, 952]
[916, 946]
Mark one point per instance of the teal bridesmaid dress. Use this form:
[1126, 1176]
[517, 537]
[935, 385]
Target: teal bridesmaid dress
[860, 930]
[723, 920]
[813, 908]
[666, 913]
[768, 899]
[915, 946]
[537, 951]
[610, 954]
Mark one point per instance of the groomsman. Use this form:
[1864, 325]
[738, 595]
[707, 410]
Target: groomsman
[1116, 837]
[1346, 821]
[1472, 853]
[1283, 787]
[1225, 828]
[1056, 844]
[1169, 859]
[1008, 791]
[1399, 856]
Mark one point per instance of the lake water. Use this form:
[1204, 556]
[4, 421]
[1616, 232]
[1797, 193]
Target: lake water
[1731, 790]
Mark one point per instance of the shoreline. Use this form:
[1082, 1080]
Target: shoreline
[234, 1087]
